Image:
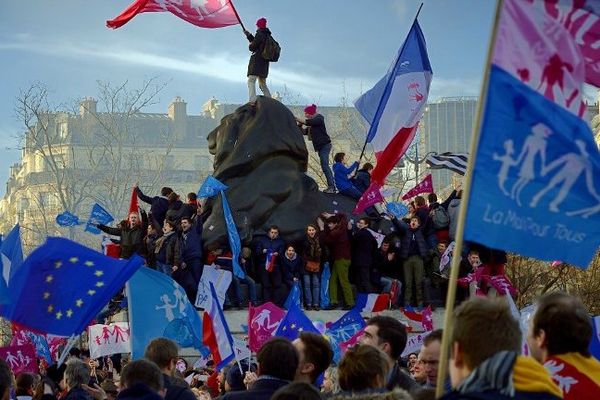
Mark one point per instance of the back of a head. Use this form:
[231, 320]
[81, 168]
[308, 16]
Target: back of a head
[317, 351]
[392, 331]
[420, 201]
[297, 391]
[144, 372]
[278, 358]
[484, 327]
[25, 383]
[166, 191]
[162, 352]
[432, 198]
[363, 368]
[566, 323]
[5, 379]
[77, 373]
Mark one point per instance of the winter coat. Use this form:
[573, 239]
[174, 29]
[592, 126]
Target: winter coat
[400, 379]
[139, 391]
[190, 242]
[77, 393]
[385, 266]
[363, 246]
[158, 205]
[258, 65]
[176, 392]
[311, 251]
[341, 172]
[275, 245]
[396, 394]
[425, 219]
[453, 209]
[150, 244]
[337, 240]
[262, 389]
[408, 235]
[292, 268]
[162, 245]
[362, 180]
[132, 238]
[316, 131]
[174, 211]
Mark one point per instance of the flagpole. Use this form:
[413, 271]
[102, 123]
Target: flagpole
[362, 153]
[460, 229]
[237, 15]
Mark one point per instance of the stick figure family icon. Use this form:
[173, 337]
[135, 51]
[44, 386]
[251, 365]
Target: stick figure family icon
[566, 170]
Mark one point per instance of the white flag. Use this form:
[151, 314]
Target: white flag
[105, 340]
[220, 278]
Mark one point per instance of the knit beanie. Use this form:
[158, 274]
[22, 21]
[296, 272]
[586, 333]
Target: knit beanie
[312, 109]
[261, 23]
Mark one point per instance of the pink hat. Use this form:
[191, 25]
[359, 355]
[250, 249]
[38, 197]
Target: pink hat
[261, 23]
[312, 109]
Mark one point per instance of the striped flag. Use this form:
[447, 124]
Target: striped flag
[456, 162]
[215, 332]
[372, 302]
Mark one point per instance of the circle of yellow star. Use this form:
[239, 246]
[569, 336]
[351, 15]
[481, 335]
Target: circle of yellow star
[79, 302]
[73, 260]
[49, 279]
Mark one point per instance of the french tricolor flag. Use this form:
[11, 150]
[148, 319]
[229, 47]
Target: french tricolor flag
[270, 261]
[372, 302]
[215, 332]
[395, 105]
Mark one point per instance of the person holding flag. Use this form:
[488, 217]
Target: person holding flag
[258, 66]
[269, 249]
[131, 231]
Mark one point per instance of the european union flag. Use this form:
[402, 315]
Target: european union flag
[63, 285]
[351, 317]
[294, 297]
[4, 297]
[159, 307]
[295, 322]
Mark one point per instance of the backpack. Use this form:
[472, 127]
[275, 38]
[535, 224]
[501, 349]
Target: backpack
[440, 218]
[271, 50]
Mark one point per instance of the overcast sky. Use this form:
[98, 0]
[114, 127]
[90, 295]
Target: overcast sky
[327, 45]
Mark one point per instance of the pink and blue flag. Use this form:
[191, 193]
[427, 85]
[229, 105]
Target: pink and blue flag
[395, 105]
[535, 187]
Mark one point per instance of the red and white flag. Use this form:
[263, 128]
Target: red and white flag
[215, 332]
[395, 105]
[202, 13]
[418, 321]
[425, 186]
[105, 340]
[372, 302]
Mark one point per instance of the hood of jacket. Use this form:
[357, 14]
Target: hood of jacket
[454, 203]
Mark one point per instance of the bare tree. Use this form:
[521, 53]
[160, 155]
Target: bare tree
[78, 157]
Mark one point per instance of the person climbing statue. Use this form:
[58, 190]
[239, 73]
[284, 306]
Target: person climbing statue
[258, 66]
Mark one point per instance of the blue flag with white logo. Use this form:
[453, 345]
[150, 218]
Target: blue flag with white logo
[234, 238]
[536, 178]
[63, 285]
[159, 307]
[11, 253]
[98, 216]
[67, 219]
[211, 187]
[293, 298]
[398, 210]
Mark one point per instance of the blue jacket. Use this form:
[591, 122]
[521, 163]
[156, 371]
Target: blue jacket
[340, 172]
[191, 241]
[275, 245]
[158, 205]
[291, 269]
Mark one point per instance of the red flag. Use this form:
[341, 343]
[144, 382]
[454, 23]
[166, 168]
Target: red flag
[205, 13]
[425, 186]
[370, 197]
[134, 206]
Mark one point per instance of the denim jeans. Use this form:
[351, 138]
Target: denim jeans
[386, 283]
[164, 268]
[312, 289]
[238, 289]
[324, 157]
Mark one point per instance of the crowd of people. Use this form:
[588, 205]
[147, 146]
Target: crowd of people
[486, 362]
[407, 262]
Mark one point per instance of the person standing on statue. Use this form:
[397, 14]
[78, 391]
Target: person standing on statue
[258, 67]
[313, 125]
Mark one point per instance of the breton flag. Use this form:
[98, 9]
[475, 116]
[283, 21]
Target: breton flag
[215, 333]
[202, 13]
[395, 105]
[372, 302]
[536, 178]
[456, 162]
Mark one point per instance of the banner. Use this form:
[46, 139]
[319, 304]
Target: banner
[414, 343]
[263, 321]
[105, 340]
[20, 358]
[67, 219]
[220, 278]
[98, 216]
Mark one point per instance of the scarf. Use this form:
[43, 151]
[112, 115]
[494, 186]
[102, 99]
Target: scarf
[314, 248]
[160, 241]
[494, 374]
